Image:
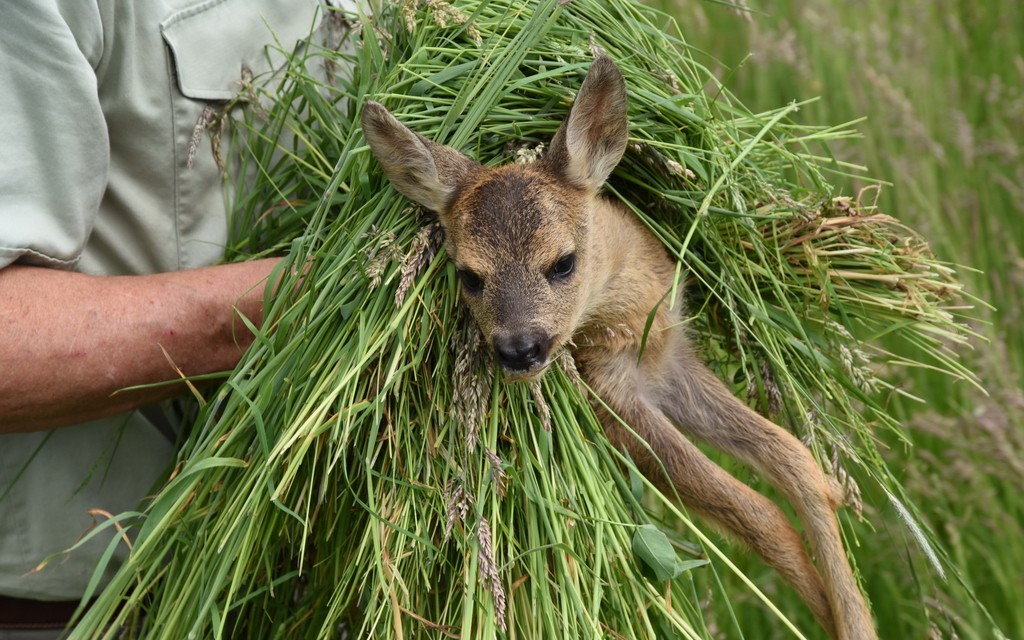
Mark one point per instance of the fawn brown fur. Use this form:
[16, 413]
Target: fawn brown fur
[546, 262]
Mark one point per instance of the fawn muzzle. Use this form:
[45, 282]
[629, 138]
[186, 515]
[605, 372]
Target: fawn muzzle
[522, 355]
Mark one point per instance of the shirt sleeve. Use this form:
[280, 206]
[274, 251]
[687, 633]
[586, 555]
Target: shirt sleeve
[55, 159]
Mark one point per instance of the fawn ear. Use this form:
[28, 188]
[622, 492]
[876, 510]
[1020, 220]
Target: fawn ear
[591, 141]
[423, 171]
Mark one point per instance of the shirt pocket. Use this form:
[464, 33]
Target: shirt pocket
[216, 47]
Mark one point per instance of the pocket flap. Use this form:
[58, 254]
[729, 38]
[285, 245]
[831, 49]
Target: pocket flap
[212, 41]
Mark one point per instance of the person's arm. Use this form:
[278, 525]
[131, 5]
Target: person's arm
[69, 341]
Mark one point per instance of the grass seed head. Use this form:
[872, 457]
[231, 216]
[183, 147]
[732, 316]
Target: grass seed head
[203, 124]
[497, 471]
[458, 501]
[471, 380]
[488, 571]
[541, 404]
[421, 253]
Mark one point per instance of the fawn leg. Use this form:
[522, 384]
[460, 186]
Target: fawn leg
[699, 404]
[672, 462]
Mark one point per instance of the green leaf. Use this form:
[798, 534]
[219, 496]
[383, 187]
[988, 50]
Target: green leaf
[654, 551]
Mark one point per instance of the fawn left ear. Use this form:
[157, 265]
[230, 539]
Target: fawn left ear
[591, 141]
[423, 171]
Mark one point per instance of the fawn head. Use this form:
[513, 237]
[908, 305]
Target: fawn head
[519, 235]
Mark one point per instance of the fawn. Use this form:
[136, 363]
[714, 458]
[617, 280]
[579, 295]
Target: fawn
[545, 263]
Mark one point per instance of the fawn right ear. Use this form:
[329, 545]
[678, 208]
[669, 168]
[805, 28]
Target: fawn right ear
[423, 171]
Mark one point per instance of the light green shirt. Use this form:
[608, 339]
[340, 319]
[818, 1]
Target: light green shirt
[98, 103]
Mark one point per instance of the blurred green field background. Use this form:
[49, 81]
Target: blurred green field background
[941, 84]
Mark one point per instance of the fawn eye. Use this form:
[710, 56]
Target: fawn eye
[563, 267]
[471, 282]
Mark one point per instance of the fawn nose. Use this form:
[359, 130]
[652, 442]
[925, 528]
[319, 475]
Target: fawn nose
[521, 351]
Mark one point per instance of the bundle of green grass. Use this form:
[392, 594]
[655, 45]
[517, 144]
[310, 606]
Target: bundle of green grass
[364, 472]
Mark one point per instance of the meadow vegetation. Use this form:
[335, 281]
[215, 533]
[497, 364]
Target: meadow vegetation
[941, 87]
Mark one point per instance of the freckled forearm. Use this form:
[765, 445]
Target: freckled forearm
[70, 341]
